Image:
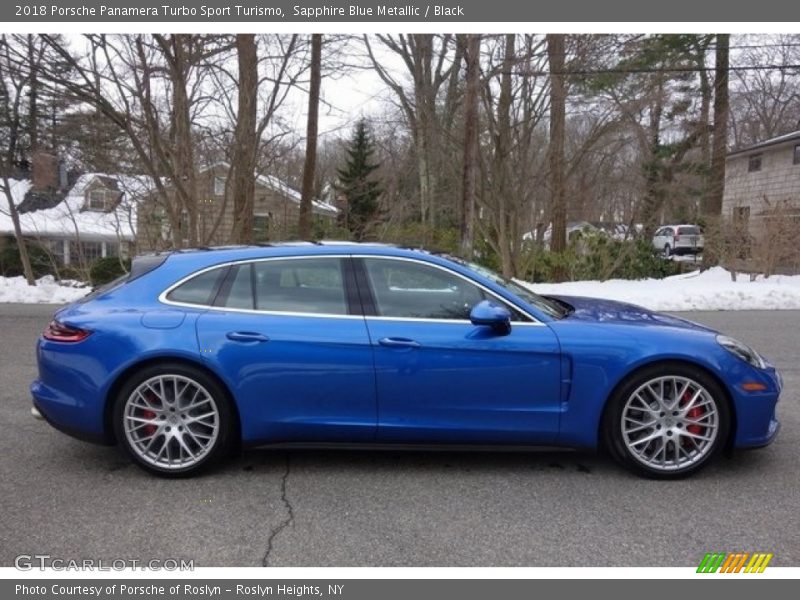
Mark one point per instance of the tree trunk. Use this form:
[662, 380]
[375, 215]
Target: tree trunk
[469, 182]
[556, 56]
[243, 156]
[501, 172]
[304, 225]
[720, 145]
[716, 186]
[24, 257]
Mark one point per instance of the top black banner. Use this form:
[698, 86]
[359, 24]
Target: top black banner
[315, 11]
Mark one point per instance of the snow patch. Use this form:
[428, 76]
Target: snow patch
[46, 291]
[707, 290]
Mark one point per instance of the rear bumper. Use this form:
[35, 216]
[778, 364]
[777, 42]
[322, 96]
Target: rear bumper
[65, 415]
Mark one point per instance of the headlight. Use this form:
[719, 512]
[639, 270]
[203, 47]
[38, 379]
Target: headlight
[746, 353]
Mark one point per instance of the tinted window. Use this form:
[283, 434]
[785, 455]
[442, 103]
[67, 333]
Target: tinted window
[199, 289]
[689, 231]
[413, 290]
[312, 285]
[240, 294]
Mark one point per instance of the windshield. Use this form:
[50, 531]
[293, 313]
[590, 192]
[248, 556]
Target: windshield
[547, 306]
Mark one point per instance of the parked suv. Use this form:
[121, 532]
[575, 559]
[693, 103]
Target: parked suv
[679, 239]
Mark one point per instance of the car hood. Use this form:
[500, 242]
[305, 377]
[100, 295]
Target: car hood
[598, 310]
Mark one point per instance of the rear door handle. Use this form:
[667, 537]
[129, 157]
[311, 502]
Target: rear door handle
[246, 336]
[396, 342]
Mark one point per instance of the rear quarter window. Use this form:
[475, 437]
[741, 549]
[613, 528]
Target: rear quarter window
[200, 289]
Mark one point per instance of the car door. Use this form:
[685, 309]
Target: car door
[442, 379]
[294, 349]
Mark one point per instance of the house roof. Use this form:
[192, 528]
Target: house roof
[67, 219]
[787, 138]
[283, 188]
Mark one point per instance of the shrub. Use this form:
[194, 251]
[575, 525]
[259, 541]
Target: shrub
[108, 269]
[599, 257]
[11, 264]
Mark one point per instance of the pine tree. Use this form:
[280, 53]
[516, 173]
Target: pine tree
[361, 193]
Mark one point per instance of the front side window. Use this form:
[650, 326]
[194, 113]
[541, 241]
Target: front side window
[406, 289]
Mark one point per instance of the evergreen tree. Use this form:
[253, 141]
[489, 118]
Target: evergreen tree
[361, 193]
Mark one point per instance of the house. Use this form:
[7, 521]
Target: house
[93, 218]
[276, 211]
[760, 177]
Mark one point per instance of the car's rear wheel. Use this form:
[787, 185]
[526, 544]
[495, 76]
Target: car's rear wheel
[667, 421]
[172, 419]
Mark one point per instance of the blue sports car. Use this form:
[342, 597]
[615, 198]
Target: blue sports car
[196, 353]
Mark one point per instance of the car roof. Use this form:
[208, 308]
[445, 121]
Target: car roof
[207, 256]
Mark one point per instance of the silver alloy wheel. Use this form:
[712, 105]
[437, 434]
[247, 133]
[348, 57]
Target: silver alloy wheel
[670, 423]
[171, 421]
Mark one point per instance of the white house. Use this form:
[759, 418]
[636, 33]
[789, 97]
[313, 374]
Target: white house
[95, 218]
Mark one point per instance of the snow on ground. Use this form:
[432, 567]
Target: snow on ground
[46, 291]
[709, 290]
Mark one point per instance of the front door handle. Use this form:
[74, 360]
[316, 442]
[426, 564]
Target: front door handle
[246, 336]
[397, 342]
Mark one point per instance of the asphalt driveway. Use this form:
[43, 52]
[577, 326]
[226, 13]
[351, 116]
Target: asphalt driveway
[74, 500]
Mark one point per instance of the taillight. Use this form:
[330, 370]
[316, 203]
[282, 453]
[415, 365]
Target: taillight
[58, 332]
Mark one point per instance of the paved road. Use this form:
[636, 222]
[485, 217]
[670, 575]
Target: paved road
[313, 508]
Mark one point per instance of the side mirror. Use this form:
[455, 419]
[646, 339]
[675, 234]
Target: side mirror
[488, 314]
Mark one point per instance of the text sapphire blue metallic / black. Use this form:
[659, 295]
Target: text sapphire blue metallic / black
[199, 352]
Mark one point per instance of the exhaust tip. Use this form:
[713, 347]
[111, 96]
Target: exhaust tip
[36, 414]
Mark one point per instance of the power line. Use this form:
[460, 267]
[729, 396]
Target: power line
[641, 70]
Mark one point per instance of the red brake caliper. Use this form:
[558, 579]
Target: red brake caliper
[150, 429]
[693, 413]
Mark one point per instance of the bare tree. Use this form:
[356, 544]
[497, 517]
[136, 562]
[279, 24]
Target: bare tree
[14, 81]
[556, 53]
[245, 144]
[430, 65]
[309, 168]
[470, 173]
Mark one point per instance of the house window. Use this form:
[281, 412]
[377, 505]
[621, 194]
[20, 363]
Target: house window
[754, 163]
[85, 252]
[261, 227]
[183, 226]
[112, 249]
[797, 154]
[219, 186]
[97, 200]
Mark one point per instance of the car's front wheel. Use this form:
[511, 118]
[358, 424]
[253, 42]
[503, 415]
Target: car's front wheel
[172, 419]
[667, 421]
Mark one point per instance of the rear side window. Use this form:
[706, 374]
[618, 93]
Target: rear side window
[200, 289]
[312, 285]
[689, 231]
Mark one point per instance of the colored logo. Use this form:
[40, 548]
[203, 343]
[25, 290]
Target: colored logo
[736, 562]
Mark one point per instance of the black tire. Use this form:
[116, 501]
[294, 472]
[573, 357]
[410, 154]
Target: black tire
[212, 453]
[667, 251]
[612, 433]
